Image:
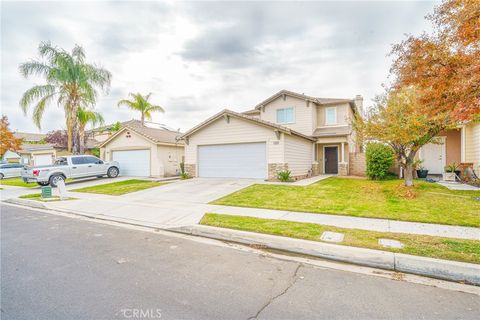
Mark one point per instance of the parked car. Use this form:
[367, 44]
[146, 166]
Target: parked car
[70, 167]
[10, 170]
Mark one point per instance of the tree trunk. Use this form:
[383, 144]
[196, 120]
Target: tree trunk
[143, 118]
[81, 135]
[69, 138]
[408, 175]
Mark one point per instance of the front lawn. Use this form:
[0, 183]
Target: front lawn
[426, 202]
[17, 182]
[38, 197]
[433, 247]
[121, 187]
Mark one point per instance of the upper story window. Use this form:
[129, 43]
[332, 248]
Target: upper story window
[330, 115]
[286, 115]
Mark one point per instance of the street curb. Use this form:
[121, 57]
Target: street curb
[435, 268]
[27, 203]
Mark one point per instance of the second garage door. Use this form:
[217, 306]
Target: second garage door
[133, 162]
[243, 160]
[42, 159]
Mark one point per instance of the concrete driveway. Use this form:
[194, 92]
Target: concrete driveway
[198, 190]
[179, 203]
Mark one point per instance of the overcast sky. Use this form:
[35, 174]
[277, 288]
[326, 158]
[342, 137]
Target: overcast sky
[198, 58]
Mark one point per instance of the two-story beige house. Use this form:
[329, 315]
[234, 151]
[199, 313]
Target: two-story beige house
[288, 131]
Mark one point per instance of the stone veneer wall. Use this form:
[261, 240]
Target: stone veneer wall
[343, 169]
[315, 169]
[274, 169]
[190, 169]
[357, 163]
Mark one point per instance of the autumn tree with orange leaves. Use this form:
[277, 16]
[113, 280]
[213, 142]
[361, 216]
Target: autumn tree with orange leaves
[7, 139]
[436, 84]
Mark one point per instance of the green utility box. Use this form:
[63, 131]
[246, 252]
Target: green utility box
[46, 192]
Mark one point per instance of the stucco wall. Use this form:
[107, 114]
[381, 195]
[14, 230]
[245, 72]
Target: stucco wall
[472, 145]
[304, 116]
[453, 145]
[298, 155]
[235, 131]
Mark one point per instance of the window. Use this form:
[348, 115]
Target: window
[285, 115]
[330, 115]
[91, 160]
[61, 162]
[77, 160]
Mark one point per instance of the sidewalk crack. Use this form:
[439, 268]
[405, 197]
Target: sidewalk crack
[293, 280]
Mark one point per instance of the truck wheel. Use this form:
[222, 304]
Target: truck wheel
[112, 172]
[43, 184]
[1, 176]
[54, 180]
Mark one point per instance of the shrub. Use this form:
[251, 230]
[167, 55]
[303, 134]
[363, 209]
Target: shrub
[184, 176]
[284, 175]
[379, 159]
[182, 167]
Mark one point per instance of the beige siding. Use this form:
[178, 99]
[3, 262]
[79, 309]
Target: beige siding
[472, 144]
[344, 114]
[298, 155]
[160, 163]
[304, 115]
[235, 131]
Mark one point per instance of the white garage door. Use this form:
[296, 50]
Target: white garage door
[133, 162]
[42, 159]
[245, 160]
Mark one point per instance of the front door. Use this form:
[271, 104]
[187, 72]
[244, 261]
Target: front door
[331, 159]
[433, 156]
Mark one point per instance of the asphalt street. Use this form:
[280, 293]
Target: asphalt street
[56, 267]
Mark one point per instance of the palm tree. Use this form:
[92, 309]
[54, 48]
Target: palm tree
[70, 81]
[84, 117]
[141, 103]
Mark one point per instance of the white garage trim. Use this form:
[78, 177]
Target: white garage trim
[133, 162]
[237, 160]
[42, 159]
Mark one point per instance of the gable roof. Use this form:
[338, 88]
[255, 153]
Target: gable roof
[247, 118]
[316, 100]
[156, 135]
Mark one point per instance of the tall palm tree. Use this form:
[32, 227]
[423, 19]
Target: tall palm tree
[69, 80]
[141, 103]
[84, 117]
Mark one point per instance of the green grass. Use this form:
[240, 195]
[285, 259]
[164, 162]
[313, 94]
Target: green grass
[419, 245]
[426, 202]
[38, 197]
[17, 182]
[121, 187]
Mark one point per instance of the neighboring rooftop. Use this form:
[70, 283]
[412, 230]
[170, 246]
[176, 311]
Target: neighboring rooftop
[27, 147]
[26, 136]
[157, 135]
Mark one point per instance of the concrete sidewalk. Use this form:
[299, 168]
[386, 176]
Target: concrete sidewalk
[168, 214]
[381, 225]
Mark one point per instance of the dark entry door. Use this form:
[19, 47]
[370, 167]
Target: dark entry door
[331, 159]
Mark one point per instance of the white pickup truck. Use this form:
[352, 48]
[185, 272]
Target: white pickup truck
[70, 167]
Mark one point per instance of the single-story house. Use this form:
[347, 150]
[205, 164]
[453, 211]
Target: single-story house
[34, 150]
[288, 131]
[37, 154]
[11, 157]
[144, 150]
